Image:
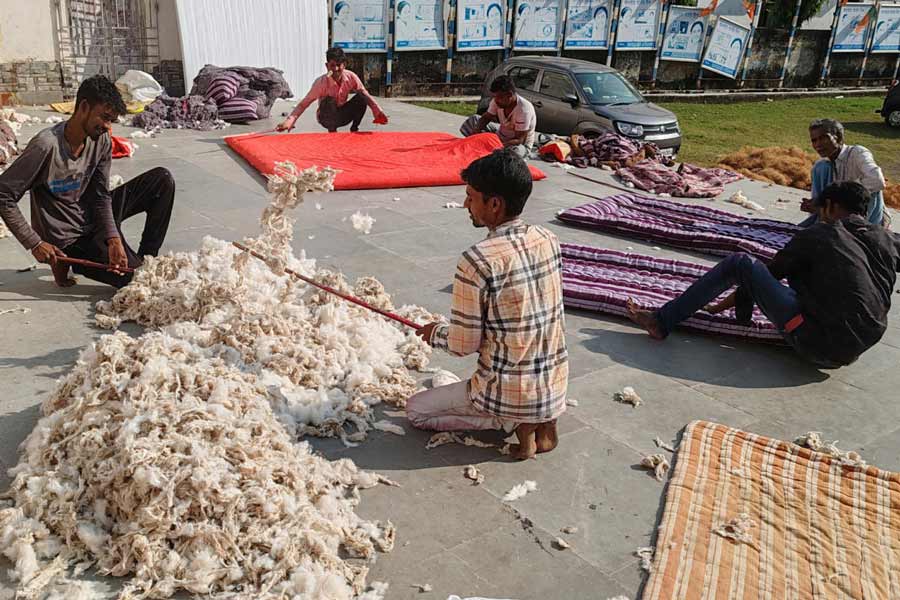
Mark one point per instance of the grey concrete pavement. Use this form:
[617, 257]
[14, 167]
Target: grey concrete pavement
[457, 537]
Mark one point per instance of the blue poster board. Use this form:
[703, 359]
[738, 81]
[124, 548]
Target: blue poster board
[419, 25]
[637, 26]
[850, 37]
[359, 25]
[685, 34]
[536, 25]
[480, 24]
[726, 48]
[887, 29]
[587, 24]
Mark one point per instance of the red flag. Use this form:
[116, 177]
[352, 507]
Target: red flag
[750, 7]
[864, 22]
[709, 9]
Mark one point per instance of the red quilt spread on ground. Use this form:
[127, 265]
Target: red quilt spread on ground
[371, 160]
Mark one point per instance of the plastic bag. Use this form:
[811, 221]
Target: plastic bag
[138, 86]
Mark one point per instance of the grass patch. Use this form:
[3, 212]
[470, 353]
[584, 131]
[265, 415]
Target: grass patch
[466, 109]
[713, 130]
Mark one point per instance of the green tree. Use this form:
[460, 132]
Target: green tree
[781, 12]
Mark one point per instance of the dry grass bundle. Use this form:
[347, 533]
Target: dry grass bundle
[892, 195]
[782, 166]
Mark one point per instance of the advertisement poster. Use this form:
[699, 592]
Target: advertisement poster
[852, 28]
[726, 48]
[588, 24]
[684, 36]
[536, 25]
[419, 25]
[360, 25]
[637, 25]
[480, 24]
[887, 29]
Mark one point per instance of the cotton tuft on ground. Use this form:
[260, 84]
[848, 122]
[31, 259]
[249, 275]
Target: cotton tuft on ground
[171, 458]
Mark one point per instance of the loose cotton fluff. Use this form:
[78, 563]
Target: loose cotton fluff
[323, 361]
[172, 458]
[162, 460]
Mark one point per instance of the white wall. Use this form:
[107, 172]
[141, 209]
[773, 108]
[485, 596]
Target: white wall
[169, 38]
[290, 35]
[26, 30]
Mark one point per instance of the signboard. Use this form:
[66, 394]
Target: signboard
[637, 25]
[537, 24]
[852, 28]
[359, 25]
[588, 24]
[887, 29]
[685, 34]
[480, 24]
[726, 48]
[419, 25]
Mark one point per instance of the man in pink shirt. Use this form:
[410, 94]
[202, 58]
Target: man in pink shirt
[332, 91]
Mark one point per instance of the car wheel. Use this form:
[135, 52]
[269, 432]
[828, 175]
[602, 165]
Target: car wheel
[893, 118]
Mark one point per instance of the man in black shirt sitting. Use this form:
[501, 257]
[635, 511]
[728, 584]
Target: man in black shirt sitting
[840, 272]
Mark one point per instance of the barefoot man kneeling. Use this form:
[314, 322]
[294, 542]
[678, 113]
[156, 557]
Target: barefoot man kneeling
[507, 306]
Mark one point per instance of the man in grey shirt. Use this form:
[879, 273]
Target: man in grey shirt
[73, 212]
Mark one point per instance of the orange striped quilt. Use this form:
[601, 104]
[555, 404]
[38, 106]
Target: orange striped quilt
[820, 529]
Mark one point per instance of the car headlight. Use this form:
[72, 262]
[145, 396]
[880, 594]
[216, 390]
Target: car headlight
[629, 129]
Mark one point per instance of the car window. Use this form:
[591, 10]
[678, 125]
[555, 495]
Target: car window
[523, 77]
[607, 88]
[557, 85]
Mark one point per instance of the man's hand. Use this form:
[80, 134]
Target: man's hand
[426, 331]
[806, 205]
[46, 253]
[117, 256]
[381, 118]
[286, 125]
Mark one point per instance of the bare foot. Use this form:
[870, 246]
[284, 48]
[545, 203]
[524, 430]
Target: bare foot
[546, 437]
[527, 447]
[61, 276]
[644, 319]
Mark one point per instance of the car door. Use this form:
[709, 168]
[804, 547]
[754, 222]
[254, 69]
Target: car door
[525, 79]
[555, 113]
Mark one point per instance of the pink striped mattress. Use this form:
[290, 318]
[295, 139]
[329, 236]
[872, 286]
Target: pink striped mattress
[681, 225]
[602, 280]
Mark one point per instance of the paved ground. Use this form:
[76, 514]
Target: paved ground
[459, 538]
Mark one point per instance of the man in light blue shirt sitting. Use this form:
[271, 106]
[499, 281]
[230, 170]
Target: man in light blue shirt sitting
[841, 162]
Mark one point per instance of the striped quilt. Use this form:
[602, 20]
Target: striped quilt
[682, 225]
[820, 529]
[602, 280]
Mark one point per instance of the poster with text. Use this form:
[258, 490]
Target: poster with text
[360, 25]
[852, 29]
[637, 25]
[536, 25]
[587, 24]
[419, 25]
[684, 36]
[726, 48]
[887, 29]
[480, 24]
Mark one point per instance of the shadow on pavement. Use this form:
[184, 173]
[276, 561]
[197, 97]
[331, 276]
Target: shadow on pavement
[705, 359]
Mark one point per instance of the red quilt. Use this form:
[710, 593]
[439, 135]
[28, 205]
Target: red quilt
[372, 160]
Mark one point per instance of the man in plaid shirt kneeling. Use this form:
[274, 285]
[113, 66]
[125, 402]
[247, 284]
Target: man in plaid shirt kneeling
[507, 307]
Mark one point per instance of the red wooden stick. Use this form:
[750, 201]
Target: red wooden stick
[331, 290]
[95, 265]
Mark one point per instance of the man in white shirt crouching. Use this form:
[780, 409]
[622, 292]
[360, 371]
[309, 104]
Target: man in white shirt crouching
[509, 115]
